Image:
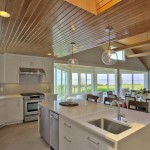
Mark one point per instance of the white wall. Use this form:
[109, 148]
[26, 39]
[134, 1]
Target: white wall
[92, 57]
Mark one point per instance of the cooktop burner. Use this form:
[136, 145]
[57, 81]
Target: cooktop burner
[31, 94]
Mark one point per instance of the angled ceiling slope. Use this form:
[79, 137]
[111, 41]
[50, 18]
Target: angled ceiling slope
[94, 6]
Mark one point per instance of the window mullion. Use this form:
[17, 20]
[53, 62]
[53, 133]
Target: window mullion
[107, 82]
[132, 82]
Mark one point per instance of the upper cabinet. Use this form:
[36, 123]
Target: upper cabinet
[31, 62]
[9, 68]
[10, 64]
[49, 70]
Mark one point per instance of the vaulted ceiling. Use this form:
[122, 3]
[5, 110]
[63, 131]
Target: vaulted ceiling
[37, 27]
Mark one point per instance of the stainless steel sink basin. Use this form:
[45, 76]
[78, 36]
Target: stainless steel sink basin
[109, 125]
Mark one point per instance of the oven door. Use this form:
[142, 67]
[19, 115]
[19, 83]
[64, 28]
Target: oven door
[31, 107]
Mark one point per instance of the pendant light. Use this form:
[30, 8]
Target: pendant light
[4, 14]
[109, 57]
[72, 60]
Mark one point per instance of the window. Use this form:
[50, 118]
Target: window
[133, 81]
[89, 82]
[126, 81]
[60, 83]
[138, 81]
[81, 83]
[105, 82]
[75, 83]
[120, 54]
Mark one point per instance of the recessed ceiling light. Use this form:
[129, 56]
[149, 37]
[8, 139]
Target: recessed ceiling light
[49, 54]
[4, 14]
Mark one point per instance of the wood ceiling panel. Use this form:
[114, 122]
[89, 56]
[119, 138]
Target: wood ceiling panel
[37, 27]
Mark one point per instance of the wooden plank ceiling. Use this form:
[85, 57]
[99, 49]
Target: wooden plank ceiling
[140, 45]
[37, 27]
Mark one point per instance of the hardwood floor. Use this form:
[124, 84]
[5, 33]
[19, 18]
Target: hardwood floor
[21, 137]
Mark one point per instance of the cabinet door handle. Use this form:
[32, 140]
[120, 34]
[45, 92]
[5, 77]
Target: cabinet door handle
[89, 139]
[67, 125]
[67, 139]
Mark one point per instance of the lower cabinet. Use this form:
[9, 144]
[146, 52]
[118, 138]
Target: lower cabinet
[44, 123]
[3, 112]
[68, 135]
[73, 137]
[11, 110]
[14, 110]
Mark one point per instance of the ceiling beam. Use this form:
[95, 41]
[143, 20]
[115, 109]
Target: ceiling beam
[146, 54]
[132, 46]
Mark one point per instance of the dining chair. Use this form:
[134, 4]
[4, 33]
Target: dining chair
[111, 95]
[133, 93]
[129, 98]
[139, 106]
[147, 100]
[91, 97]
[108, 100]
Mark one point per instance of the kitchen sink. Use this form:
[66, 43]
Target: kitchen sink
[109, 125]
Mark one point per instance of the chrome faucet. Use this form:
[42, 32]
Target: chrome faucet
[119, 115]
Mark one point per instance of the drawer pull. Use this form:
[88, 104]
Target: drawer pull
[89, 139]
[67, 139]
[67, 125]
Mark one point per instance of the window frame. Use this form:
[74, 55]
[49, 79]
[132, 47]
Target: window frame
[79, 81]
[55, 81]
[107, 73]
[132, 73]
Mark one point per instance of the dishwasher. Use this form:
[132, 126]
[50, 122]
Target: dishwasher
[54, 131]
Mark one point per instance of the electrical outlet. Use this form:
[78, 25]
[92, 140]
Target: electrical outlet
[1, 89]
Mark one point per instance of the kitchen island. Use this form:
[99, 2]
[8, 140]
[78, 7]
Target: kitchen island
[76, 132]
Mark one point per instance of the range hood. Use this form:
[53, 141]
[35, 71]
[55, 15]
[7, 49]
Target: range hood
[32, 71]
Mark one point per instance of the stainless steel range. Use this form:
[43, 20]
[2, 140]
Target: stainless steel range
[31, 101]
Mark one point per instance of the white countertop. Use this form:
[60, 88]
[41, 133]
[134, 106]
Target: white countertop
[88, 111]
[18, 95]
[10, 96]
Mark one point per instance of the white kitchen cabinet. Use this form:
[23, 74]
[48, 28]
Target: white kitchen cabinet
[91, 141]
[9, 68]
[49, 71]
[14, 109]
[68, 135]
[3, 112]
[73, 136]
[31, 62]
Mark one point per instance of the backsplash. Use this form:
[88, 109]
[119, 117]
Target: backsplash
[27, 84]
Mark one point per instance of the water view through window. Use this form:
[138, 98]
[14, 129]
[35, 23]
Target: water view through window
[105, 82]
[132, 81]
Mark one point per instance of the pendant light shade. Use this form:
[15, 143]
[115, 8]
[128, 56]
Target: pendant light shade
[72, 60]
[4, 14]
[109, 57]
